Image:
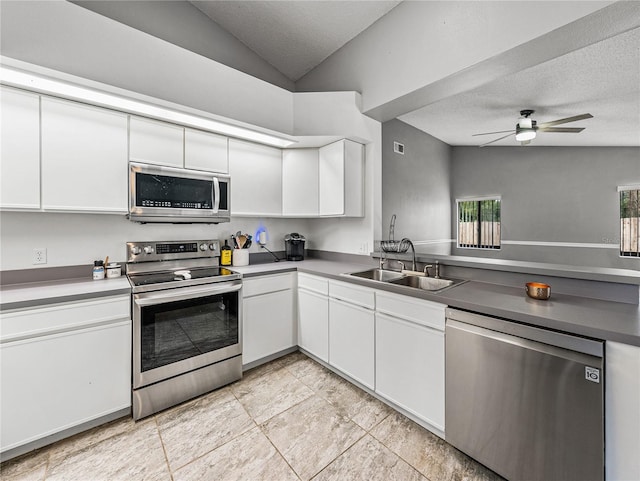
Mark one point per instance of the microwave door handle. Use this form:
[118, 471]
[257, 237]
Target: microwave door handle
[216, 195]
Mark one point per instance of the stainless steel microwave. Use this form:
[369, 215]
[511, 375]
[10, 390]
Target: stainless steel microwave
[178, 196]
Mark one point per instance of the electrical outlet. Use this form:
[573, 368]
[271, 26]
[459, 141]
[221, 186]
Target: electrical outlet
[39, 255]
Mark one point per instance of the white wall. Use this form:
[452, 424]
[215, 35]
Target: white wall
[182, 24]
[411, 46]
[77, 239]
[66, 37]
[338, 113]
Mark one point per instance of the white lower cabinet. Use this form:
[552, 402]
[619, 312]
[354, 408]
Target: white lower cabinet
[352, 341]
[313, 315]
[410, 367]
[268, 317]
[622, 411]
[410, 355]
[63, 373]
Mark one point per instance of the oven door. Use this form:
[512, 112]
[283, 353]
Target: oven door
[178, 330]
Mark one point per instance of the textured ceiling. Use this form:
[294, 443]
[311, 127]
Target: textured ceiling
[294, 37]
[602, 79]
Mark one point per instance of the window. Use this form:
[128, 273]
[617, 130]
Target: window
[629, 221]
[479, 223]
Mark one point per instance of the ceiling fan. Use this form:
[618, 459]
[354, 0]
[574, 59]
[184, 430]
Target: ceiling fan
[526, 128]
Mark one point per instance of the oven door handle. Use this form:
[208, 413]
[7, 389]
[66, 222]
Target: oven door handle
[155, 298]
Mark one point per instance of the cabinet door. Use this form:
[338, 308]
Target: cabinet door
[410, 367]
[313, 323]
[300, 182]
[20, 150]
[205, 151]
[267, 325]
[331, 175]
[256, 171]
[155, 142]
[341, 179]
[351, 341]
[84, 158]
[52, 383]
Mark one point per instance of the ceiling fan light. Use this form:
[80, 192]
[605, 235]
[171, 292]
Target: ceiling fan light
[524, 134]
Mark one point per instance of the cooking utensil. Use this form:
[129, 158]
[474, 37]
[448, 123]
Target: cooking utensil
[242, 240]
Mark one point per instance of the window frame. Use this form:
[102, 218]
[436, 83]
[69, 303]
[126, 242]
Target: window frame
[477, 199]
[622, 253]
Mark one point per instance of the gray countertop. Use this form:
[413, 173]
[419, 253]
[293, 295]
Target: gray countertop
[606, 320]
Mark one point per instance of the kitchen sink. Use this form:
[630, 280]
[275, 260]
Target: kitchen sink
[425, 283]
[378, 275]
[408, 280]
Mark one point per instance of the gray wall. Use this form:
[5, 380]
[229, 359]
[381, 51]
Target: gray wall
[564, 195]
[182, 24]
[415, 187]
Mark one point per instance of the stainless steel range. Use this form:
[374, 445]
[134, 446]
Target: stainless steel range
[186, 322]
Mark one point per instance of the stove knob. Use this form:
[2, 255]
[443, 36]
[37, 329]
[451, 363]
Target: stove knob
[148, 249]
[135, 250]
[212, 247]
[203, 247]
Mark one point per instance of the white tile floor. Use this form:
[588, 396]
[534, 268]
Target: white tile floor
[291, 419]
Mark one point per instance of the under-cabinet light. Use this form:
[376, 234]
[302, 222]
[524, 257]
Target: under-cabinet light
[26, 80]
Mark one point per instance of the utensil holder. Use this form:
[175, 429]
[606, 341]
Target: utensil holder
[240, 257]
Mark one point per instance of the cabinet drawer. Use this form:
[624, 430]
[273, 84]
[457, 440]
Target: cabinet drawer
[67, 316]
[313, 283]
[362, 296]
[264, 284]
[423, 312]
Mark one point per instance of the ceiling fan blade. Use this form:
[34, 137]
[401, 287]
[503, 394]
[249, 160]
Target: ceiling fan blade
[491, 133]
[499, 138]
[564, 121]
[566, 130]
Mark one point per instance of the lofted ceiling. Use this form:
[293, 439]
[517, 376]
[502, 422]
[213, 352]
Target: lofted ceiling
[295, 36]
[602, 79]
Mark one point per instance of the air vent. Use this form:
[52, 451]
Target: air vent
[398, 148]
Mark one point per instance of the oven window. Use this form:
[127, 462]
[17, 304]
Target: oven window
[180, 330]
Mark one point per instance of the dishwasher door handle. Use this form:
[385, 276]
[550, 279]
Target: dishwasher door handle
[524, 343]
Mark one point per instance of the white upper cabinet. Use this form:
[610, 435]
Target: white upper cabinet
[300, 182]
[162, 143]
[20, 150]
[154, 142]
[205, 151]
[256, 173]
[84, 158]
[341, 177]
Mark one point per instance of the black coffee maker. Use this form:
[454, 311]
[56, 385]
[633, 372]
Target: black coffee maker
[294, 246]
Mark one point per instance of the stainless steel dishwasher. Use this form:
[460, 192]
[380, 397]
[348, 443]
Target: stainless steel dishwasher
[526, 402]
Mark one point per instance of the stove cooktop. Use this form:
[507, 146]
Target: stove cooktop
[180, 275]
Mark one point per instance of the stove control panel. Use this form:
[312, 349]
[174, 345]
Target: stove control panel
[172, 250]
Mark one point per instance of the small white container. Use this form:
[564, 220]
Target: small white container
[240, 257]
[114, 270]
